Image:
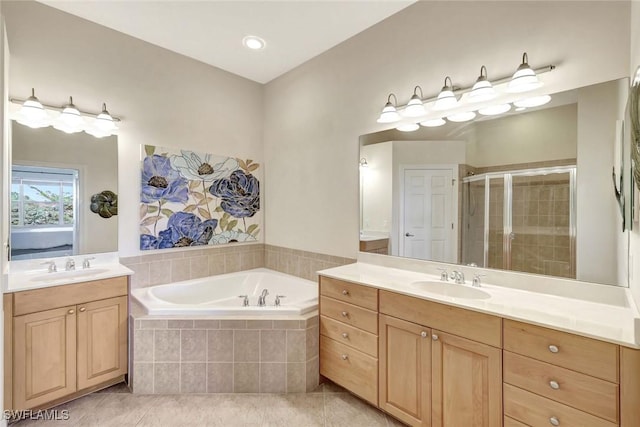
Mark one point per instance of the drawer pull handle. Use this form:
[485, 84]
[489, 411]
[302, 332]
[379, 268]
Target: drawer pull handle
[553, 348]
[434, 337]
[423, 334]
[554, 385]
[71, 311]
[82, 309]
[345, 292]
[345, 335]
[345, 314]
[345, 357]
[554, 421]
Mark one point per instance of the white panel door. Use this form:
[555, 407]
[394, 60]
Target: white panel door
[427, 229]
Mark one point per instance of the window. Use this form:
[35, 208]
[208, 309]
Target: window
[42, 197]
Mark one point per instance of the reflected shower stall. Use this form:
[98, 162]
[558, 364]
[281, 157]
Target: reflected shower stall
[521, 220]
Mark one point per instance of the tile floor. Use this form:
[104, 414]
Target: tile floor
[328, 406]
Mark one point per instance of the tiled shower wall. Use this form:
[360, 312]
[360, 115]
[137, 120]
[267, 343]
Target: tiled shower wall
[160, 268]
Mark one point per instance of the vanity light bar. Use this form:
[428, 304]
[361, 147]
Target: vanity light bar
[21, 101]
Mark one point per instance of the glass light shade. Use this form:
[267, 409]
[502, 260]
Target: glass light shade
[408, 127]
[32, 113]
[433, 123]
[389, 114]
[446, 100]
[414, 107]
[520, 108]
[535, 101]
[462, 117]
[482, 90]
[494, 110]
[104, 121]
[70, 120]
[524, 80]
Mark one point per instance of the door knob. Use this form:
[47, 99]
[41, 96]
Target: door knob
[554, 385]
[71, 311]
[345, 357]
[553, 348]
[82, 309]
[408, 234]
[554, 421]
[423, 334]
[345, 292]
[345, 335]
[434, 337]
[344, 314]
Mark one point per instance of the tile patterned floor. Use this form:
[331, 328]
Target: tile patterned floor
[328, 406]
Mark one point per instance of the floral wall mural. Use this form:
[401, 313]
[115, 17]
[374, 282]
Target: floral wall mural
[193, 199]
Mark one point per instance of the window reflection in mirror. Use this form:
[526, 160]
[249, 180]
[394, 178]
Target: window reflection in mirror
[530, 190]
[53, 176]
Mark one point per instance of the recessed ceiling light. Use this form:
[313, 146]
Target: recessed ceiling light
[254, 42]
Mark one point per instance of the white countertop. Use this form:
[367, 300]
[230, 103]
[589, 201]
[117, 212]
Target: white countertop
[617, 323]
[32, 274]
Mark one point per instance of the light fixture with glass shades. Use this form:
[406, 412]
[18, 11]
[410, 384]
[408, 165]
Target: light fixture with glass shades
[446, 98]
[462, 104]
[525, 78]
[68, 118]
[389, 113]
[482, 89]
[415, 107]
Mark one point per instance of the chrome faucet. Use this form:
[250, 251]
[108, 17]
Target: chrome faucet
[245, 301]
[52, 266]
[278, 297]
[261, 298]
[86, 262]
[70, 265]
[444, 276]
[458, 276]
[476, 283]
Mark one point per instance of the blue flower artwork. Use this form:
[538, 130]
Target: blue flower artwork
[196, 199]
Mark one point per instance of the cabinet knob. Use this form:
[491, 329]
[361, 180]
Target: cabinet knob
[553, 348]
[71, 311]
[345, 314]
[554, 421]
[554, 385]
[82, 309]
[434, 337]
[345, 292]
[423, 334]
[345, 357]
[345, 335]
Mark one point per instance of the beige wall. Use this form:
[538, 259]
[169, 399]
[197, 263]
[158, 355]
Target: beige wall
[315, 114]
[164, 99]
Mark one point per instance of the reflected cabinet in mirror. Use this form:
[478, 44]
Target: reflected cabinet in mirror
[528, 190]
[63, 193]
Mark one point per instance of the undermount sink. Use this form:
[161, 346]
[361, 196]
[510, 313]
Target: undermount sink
[74, 274]
[450, 290]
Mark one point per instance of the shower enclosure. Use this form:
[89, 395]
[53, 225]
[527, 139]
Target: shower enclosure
[521, 220]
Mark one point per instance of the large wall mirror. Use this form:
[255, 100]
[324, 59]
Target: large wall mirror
[529, 190]
[63, 193]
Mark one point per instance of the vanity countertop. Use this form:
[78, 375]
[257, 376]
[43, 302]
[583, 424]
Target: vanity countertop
[618, 323]
[26, 280]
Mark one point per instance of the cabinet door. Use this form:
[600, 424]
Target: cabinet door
[44, 362]
[467, 382]
[102, 341]
[405, 370]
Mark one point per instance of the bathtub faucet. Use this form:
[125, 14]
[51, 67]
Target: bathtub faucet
[261, 298]
[245, 300]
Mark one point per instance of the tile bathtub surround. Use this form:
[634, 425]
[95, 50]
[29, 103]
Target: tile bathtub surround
[181, 356]
[161, 268]
[168, 267]
[300, 263]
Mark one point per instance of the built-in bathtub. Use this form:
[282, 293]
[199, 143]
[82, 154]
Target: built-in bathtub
[197, 336]
[223, 295]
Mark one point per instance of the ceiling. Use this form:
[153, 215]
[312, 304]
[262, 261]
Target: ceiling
[212, 31]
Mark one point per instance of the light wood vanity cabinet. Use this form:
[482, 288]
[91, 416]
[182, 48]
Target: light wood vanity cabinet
[433, 378]
[443, 366]
[65, 341]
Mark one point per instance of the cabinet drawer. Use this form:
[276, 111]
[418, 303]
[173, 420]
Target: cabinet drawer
[360, 340]
[589, 394]
[363, 296]
[350, 368]
[510, 422]
[350, 314]
[476, 326]
[60, 296]
[586, 355]
[535, 410]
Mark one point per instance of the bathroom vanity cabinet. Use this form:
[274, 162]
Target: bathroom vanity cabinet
[439, 365]
[64, 341]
